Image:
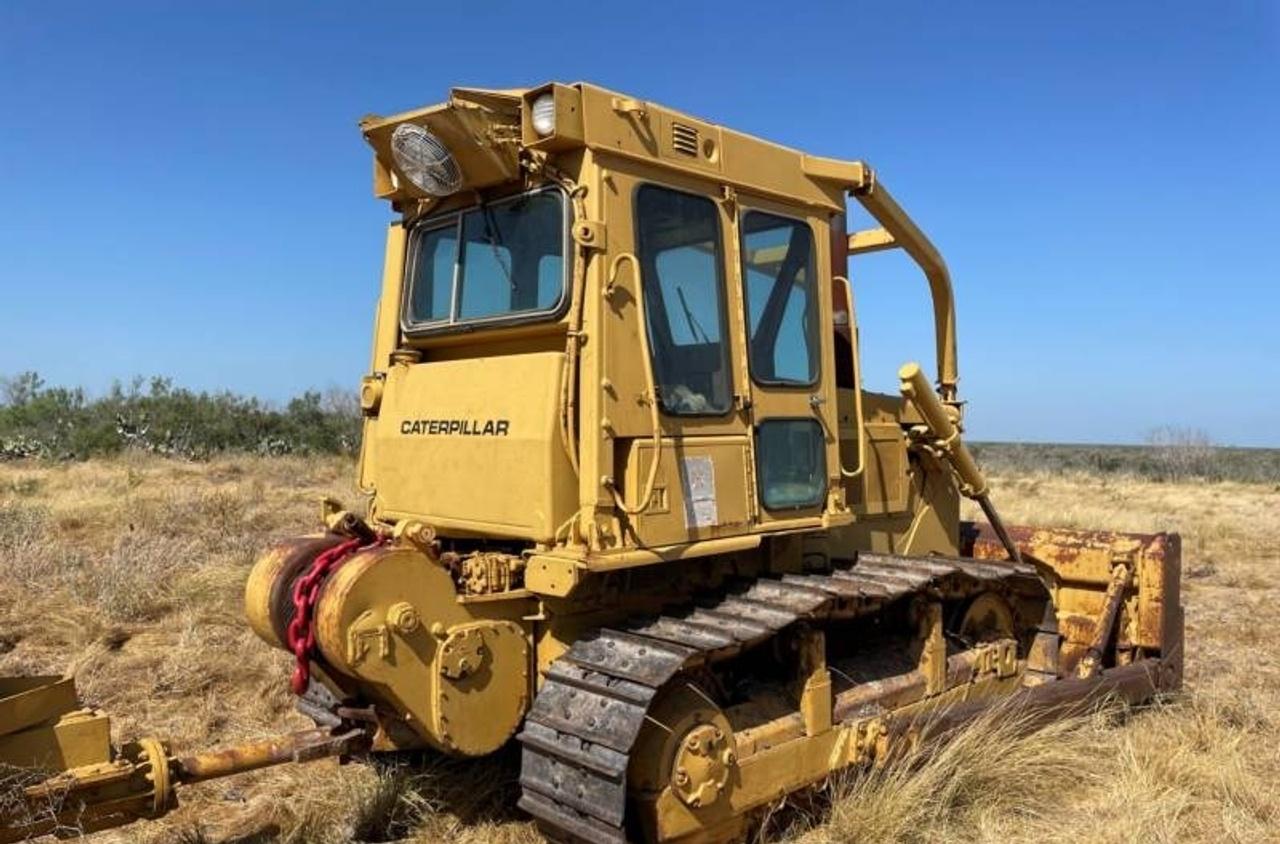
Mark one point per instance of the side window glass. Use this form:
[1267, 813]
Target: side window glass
[678, 237]
[498, 259]
[550, 279]
[433, 260]
[509, 250]
[486, 269]
[792, 463]
[687, 277]
[779, 271]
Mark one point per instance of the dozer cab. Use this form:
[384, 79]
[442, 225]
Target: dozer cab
[630, 506]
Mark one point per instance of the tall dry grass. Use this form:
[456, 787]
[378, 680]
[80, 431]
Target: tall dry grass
[127, 572]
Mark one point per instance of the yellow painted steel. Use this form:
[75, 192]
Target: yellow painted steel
[81, 737]
[430, 467]
[458, 674]
[29, 701]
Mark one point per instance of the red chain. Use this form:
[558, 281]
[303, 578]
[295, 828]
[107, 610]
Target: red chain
[306, 589]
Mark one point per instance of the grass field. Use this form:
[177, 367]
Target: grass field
[128, 572]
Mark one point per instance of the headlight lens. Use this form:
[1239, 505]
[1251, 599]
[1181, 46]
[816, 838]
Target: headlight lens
[544, 115]
[425, 160]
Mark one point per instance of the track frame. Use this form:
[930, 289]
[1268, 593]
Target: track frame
[602, 703]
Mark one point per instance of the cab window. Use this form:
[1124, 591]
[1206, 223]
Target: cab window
[432, 273]
[792, 463]
[682, 265]
[779, 273]
[503, 259]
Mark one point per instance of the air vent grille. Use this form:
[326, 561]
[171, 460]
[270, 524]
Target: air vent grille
[684, 139]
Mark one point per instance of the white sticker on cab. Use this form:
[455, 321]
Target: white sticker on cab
[698, 482]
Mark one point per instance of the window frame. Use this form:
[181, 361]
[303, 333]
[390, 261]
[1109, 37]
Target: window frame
[813, 305]
[453, 324]
[726, 325]
[759, 460]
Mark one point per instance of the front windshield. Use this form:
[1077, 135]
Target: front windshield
[499, 259]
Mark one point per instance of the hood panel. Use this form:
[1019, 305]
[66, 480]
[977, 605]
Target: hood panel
[472, 447]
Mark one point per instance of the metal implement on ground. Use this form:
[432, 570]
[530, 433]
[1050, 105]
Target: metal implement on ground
[631, 506]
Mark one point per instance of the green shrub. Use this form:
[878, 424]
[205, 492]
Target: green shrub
[67, 424]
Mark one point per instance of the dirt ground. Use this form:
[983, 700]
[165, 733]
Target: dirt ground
[128, 573]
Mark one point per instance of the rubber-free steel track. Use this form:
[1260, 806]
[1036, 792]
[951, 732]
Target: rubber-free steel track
[588, 713]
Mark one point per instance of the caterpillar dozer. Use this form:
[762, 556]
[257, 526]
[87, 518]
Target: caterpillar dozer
[630, 506]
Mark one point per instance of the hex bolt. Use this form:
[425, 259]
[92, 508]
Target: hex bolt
[404, 618]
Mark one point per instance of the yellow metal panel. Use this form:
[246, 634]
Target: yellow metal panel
[701, 491]
[885, 477]
[386, 336]
[386, 328]
[473, 446]
[643, 131]
[78, 738]
[27, 701]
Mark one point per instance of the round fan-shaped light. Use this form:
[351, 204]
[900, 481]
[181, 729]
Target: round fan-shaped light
[543, 117]
[425, 160]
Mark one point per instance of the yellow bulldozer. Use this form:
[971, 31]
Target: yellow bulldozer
[630, 506]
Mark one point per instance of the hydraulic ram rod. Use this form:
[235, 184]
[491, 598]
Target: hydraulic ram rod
[915, 387]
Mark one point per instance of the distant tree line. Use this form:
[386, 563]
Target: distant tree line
[66, 423]
[1169, 454]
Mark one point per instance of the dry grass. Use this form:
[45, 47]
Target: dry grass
[128, 573]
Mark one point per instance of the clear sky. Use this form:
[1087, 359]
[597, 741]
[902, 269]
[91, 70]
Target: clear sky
[183, 190]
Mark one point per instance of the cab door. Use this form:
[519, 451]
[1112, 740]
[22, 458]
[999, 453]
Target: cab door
[787, 325]
[671, 310]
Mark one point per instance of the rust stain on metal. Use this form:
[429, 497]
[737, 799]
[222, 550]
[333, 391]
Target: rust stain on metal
[302, 746]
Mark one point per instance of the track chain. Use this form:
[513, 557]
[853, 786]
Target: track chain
[592, 704]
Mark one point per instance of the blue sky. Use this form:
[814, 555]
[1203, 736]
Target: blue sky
[183, 189]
